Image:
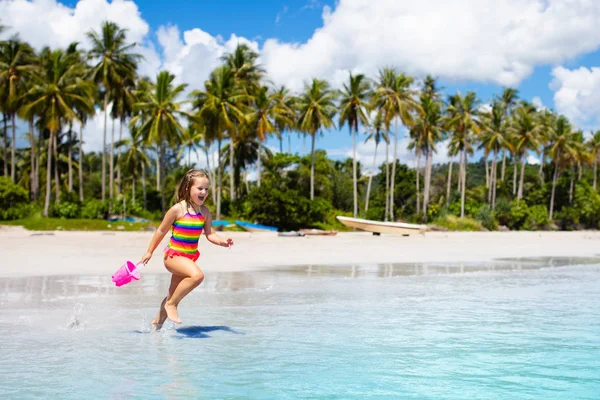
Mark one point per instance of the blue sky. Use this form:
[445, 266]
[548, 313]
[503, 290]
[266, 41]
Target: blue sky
[546, 49]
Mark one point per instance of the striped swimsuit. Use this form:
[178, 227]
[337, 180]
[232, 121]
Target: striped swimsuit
[186, 232]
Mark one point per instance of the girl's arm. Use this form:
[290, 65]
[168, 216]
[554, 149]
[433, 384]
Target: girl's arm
[170, 217]
[210, 233]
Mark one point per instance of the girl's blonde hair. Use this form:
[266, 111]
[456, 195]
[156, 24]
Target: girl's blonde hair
[183, 191]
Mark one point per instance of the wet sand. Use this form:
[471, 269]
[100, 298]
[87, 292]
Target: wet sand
[32, 253]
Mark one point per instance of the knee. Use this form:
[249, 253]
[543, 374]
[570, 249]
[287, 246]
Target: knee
[197, 277]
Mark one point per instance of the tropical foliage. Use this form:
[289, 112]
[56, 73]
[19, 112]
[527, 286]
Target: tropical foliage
[166, 127]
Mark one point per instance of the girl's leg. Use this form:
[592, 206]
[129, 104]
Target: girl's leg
[191, 276]
[162, 314]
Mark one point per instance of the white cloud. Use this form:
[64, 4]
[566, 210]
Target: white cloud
[481, 40]
[577, 95]
[538, 103]
[194, 56]
[50, 23]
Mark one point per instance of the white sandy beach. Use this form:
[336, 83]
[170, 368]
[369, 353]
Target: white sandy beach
[29, 253]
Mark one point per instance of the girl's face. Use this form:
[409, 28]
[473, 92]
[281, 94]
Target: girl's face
[199, 191]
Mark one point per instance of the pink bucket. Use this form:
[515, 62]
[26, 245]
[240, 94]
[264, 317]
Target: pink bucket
[126, 274]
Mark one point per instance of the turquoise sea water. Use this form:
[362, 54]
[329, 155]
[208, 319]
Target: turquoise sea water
[513, 329]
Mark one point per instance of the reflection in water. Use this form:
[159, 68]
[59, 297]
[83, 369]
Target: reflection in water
[40, 291]
[202, 331]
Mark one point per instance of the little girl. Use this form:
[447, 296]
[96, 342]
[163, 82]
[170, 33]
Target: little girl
[186, 219]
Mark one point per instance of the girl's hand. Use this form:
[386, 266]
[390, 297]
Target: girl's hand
[146, 258]
[227, 242]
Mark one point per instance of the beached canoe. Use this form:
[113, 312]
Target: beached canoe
[291, 234]
[399, 228]
[250, 227]
[317, 232]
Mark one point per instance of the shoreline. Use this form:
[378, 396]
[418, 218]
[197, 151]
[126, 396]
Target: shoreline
[33, 253]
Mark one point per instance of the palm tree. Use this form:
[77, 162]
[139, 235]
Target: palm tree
[247, 74]
[427, 132]
[115, 62]
[287, 121]
[395, 96]
[508, 99]
[135, 157]
[316, 106]
[218, 107]
[267, 110]
[377, 134]
[17, 63]
[190, 140]
[57, 91]
[593, 146]
[525, 130]
[158, 117]
[493, 140]
[564, 148]
[353, 106]
[462, 120]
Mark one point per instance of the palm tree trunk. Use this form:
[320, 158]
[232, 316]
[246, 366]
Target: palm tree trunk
[312, 166]
[133, 189]
[56, 176]
[580, 172]
[231, 172]
[522, 180]
[32, 161]
[387, 181]
[104, 149]
[246, 181]
[541, 171]
[111, 160]
[428, 167]
[418, 183]
[514, 175]
[503, 165]
[463, 180]
[258, 165]
[495, 181]
[70, 158]
[48, 176]
[219, 182]
[5, 144]
[595, 170]
[449, 182]
[143, 185]
[81, 162]
[459, 183]
[487, 172]
[571, 185]
[12, 149]
[210, 172]
[393, 178]
[38, 161]
[491, 183]
[554, 180]
[371, 179]
[119, 157]
[158, 169]
[162, 181]
[354, 178]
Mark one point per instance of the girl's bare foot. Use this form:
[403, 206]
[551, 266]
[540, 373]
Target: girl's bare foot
[172, 314]
[158, 322]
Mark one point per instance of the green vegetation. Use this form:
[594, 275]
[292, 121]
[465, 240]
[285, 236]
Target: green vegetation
[149, 138]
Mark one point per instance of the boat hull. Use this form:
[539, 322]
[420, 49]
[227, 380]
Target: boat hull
[395, 228]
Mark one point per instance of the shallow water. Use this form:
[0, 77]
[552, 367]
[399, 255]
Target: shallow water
[518, 329]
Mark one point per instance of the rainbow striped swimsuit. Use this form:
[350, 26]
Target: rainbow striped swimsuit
[185, 234]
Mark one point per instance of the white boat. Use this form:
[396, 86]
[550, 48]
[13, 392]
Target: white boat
[377, 227]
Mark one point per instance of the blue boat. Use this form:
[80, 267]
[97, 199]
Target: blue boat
[250, 227]
[221, 222]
